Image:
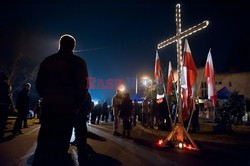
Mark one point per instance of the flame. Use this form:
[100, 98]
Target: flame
[160, 142]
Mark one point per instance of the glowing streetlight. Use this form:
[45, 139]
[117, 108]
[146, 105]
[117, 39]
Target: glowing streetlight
[145, 80]
[122, 88]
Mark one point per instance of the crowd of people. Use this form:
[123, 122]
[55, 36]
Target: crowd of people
[65, 103]
[150, 113]
[7, 106]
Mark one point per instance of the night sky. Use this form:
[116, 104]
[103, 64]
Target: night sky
[118, 38]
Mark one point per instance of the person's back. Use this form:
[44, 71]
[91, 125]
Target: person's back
[145, 106]
[126, 107]
[62, 84]
[116, 102]
[105, 106]
[62, 79]
[22, 103]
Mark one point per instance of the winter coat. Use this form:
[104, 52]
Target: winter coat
[145, 107]
[126, 108]
[4, 94]
[62, 80]
[116, 104]
[22, 102]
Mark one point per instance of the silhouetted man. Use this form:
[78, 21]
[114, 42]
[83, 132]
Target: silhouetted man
[62, 84]
[116, 104]
[5, 102]
[105, 113]
[98, 112]
[22, 105]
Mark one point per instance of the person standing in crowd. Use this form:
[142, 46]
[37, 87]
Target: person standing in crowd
[153, 113]
[195, 119]
[111, 113]
[93, 114]
[135, 112]
[89, 116]
[5, 102]
[125, 114]
[145, 110]
[105, 113]
[62, 83]
[38, 110]
[98, 112]
[116, 104]
[164, 119]
[22, 105]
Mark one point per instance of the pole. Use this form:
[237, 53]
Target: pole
[197, 94]
[136, 84]
[165, 95]
[176, 108]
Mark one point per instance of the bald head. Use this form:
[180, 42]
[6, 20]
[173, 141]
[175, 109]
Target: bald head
[67, 42]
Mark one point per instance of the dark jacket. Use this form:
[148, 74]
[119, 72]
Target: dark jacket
[82, 114]
[62, 80]
[87, 105]
[163, 109]
[105, 107]
[22, 102]
[4, 94]
[98, 109]
[126, 108]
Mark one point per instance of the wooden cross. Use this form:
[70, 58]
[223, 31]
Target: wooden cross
[179, 129]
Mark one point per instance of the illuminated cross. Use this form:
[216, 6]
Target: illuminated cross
[178, 39]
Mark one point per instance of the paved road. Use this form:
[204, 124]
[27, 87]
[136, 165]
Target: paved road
[140, 150]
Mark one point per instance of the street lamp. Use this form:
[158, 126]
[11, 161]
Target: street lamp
[146, 79]
[148, 83]
[122, 88]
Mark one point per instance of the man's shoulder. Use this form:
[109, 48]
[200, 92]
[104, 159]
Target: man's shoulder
[49, 58]
[75, 58]
[79, 59]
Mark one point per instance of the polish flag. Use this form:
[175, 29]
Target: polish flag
[188, 78]
[209, 73]
[170, 79]
[157, 72]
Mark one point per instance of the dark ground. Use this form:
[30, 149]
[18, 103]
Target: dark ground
[141, 149]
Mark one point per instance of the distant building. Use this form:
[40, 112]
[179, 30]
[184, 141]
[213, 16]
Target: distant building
[233, 81]
[239, 82]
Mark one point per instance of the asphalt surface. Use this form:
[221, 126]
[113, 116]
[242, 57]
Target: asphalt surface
[141, 149]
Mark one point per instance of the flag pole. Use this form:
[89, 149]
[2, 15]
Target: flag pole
[176, 108]
[197, 93]
[165, 95]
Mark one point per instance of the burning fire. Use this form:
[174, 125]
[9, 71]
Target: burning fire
[160, 142]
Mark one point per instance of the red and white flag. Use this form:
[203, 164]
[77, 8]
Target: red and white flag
[188, 78]
[157, 72]
[170, 79]
[209, 73]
